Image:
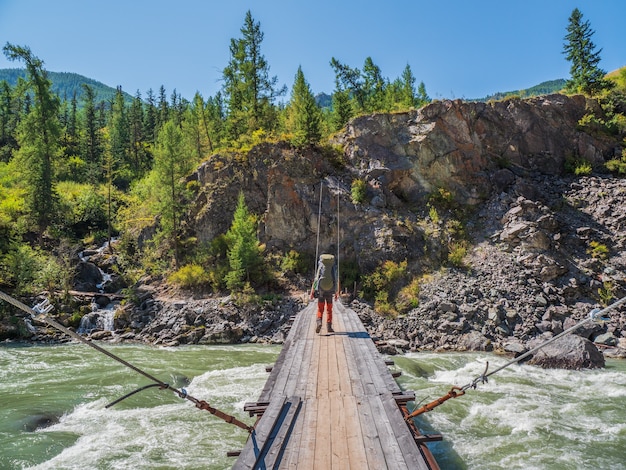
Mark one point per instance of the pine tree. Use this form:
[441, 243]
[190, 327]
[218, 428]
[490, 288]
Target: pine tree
[248, 88]
[305, 115]
[38, 138]
[350, 80]
[244, 249]
[586, 76]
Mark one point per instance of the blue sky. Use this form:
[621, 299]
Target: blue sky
[458, 48]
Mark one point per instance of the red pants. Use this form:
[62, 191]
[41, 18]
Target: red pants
[325, 298]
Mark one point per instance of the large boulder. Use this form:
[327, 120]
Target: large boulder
[568, 352]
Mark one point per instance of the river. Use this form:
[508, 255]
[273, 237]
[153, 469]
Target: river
[524, 418]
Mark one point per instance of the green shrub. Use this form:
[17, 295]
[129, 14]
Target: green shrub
[19, 266]
[578, 166]
[433, 214]
[293, 262]
[598, 250]
[606, 292]
[358, 190]
[456, 253]
[617, 165]
[592, 124]
[408, 297]
[190, 275]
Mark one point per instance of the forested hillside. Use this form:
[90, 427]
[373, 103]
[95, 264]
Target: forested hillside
[65, 85]
[544, 88]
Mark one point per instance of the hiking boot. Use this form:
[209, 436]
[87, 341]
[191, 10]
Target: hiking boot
[318, 327]
[329, 328]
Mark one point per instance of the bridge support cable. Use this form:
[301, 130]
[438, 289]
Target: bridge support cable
[40, 313]
[596, 315]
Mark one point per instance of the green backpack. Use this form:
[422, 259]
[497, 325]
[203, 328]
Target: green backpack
[325, 278]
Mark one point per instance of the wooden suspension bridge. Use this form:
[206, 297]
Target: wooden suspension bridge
[331, 402]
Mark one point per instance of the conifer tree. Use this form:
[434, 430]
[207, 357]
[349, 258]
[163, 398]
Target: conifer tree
[137, 148]
[150, 118]
[374, 86]
[197, 128]
[120, 138]
[91, 141]
[305, 115]
[244, 249]
[163, 112]
[38, 138]
[350, 80]
[579, 50]
[248, 88]
[341, 109]
[170, 167]
[422, 97]
[9, 117]
[407, 88]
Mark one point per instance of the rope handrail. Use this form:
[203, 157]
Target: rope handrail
[455, 391]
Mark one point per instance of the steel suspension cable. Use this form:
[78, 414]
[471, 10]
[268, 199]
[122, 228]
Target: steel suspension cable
[338, 226]
[317, 243]
[39, 312]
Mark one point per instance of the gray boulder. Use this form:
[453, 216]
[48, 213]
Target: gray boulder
[568, 352]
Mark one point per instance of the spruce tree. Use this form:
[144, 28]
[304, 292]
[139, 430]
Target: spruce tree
[422, 97]
[137, 149]
[38, 139]
[341, 109]
[305, 115]
[407, 97]
[244, 249]
[586, 76]
[9, 117]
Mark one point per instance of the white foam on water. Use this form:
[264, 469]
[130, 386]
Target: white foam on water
[174, 435]
[526, 417]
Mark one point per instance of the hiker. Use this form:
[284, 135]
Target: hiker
[325, 286]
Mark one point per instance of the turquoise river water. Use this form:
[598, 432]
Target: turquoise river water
[524, 418]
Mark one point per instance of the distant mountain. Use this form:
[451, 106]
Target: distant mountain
[544, 88]
[65, 84]
[323, 100]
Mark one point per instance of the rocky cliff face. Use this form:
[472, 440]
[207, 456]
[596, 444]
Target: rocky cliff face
[473, 150]
[532, 270]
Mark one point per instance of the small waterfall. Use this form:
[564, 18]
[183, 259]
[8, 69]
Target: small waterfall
[98, 319]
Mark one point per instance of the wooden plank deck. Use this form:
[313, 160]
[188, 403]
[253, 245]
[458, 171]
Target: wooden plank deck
[331, 402]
